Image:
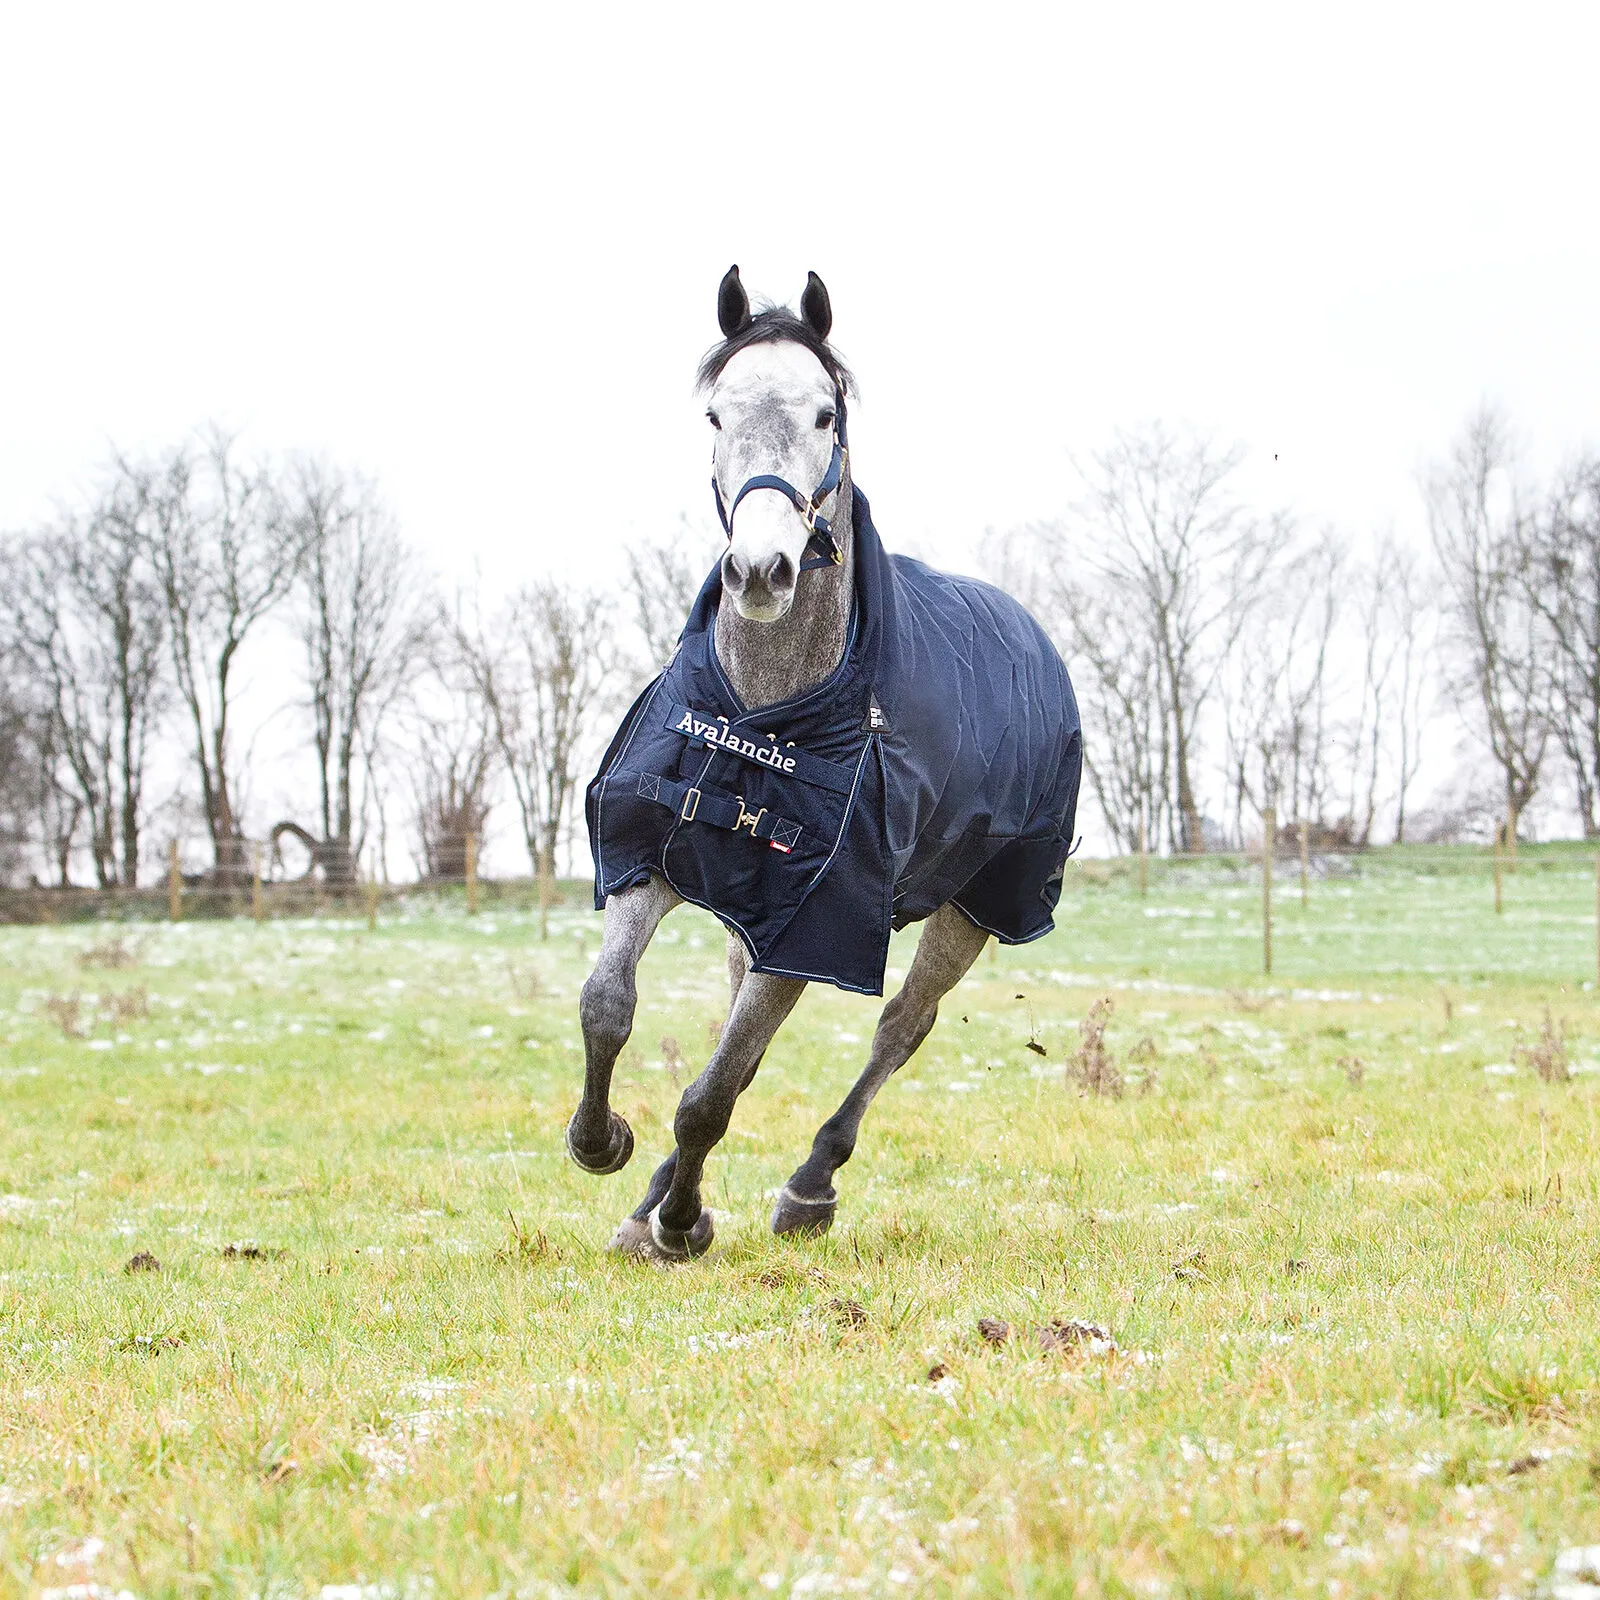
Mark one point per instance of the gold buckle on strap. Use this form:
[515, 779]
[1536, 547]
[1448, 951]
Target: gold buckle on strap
[691, 804]
[750, 818]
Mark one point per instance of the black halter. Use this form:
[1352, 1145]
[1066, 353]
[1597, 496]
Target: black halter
[827, 551]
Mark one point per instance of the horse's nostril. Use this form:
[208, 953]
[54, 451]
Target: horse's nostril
[780, 573]
[734, 575]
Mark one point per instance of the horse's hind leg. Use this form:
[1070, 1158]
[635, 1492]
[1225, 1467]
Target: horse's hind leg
[598, 1139]
[948, 947]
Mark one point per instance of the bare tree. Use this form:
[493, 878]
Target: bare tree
[663, 576]
[1480, 535]
[1562, 583]
[1130, 770]
[450, 759]
[1394, 620]
[361, 627]
[1378, 651]
[89, 619]
[543, 676]
[225, 555]
[19, 768]
[1163, 551]
[1276, 691]
[1413, 620]
[57, 805]
[1114, 675]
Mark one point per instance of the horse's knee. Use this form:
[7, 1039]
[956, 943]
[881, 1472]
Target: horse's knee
[605, 1008]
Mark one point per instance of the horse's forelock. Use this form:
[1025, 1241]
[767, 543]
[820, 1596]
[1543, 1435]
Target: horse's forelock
[774, 325]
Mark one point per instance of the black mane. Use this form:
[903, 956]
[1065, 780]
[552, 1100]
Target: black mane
[770, 326]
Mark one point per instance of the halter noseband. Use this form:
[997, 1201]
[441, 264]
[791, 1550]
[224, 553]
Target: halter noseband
[827, 551]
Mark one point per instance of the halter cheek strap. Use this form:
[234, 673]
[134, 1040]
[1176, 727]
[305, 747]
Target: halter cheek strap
[821, 540]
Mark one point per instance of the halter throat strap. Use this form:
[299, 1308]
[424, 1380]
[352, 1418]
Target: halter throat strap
[821, 549]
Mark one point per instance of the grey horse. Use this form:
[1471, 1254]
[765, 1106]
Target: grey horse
[783, 623]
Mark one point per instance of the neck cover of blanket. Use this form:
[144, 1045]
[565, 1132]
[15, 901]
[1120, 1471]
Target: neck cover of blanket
[940, 762]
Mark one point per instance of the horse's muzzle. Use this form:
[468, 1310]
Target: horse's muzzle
[762, 592]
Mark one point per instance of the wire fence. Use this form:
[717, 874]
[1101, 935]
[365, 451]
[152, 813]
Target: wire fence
[274, 901]
[1137, 875]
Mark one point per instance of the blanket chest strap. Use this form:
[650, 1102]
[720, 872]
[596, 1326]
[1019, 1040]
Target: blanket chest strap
[695, 804]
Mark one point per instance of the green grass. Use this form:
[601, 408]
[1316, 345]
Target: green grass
[1346, 1242]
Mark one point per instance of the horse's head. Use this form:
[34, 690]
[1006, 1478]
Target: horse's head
[777, 405]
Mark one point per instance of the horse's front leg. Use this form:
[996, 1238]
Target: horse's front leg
[598, 1139]
[677, 1226]
[948, 947]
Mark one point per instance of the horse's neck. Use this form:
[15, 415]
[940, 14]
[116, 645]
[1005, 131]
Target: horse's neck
[771, 661]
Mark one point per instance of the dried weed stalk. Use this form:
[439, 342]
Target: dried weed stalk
[1548, 1055]
[66, 1011]
[131, 1005]
[524, 1247]
[672, 1056]
[113, 952]
[1094, 1069]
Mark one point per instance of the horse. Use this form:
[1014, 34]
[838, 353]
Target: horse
[333, 856]
[845, 742]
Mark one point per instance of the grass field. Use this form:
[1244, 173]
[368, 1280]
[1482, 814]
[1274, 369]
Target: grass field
[1343, 1235]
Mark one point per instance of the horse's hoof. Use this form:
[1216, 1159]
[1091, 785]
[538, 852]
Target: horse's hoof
[613, 1158]
[808, 1218]
[671, 1245]
[632, 1238]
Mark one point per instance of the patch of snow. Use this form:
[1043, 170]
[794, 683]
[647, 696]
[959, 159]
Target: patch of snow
[83, 1554]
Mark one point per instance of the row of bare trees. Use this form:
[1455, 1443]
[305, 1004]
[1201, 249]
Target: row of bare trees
[1520, 564]
[1230, 660]
[1227, 660]
[133, 616]
[147, 619]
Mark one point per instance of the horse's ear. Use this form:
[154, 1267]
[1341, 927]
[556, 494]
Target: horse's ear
[815, 307]
[733, 304]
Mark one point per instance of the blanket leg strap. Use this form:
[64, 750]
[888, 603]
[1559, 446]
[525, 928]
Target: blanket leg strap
[721, 810]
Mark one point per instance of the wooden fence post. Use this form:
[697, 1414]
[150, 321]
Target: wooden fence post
[1269, 830]
[372, 899]
[1305, 863]
[1144, 860]
[472, 874]
[255, 882]
[1497, 856]
[174, 883]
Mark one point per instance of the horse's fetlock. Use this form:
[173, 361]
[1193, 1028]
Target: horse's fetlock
[833, 1147]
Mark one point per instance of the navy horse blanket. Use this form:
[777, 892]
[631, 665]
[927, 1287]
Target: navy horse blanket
[939, 763]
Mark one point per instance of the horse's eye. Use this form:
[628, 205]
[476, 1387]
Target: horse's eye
[714, 420]
[824, 419]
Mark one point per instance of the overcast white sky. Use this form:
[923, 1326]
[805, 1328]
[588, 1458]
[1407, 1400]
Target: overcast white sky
[474, 250]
